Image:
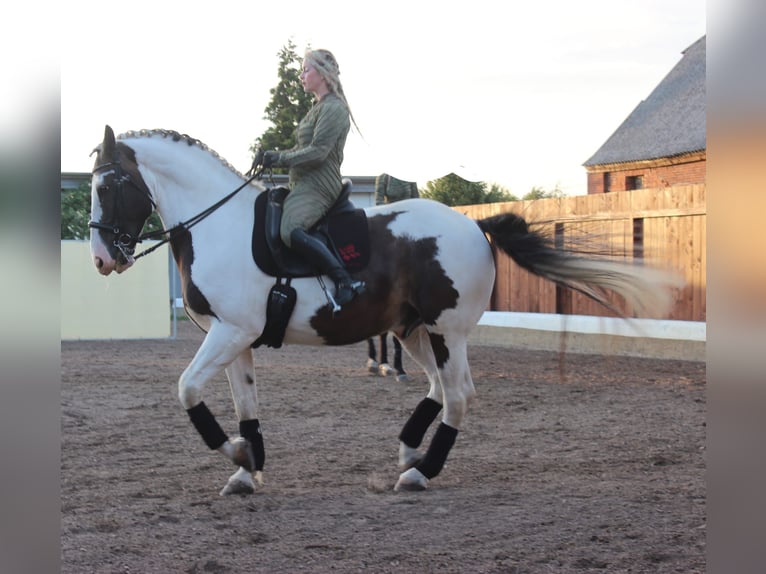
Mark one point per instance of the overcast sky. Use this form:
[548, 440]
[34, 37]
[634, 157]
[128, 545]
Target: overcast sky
[519, 94]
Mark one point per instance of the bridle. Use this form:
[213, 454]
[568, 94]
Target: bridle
[124, 241]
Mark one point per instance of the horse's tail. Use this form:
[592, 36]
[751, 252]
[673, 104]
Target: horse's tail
[646, 289]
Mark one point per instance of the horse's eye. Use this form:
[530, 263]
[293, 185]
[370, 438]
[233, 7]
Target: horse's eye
[102, 189]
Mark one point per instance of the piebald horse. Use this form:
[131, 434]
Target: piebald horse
[429, 279]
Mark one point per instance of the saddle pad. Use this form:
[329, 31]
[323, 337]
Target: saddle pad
[347, 230]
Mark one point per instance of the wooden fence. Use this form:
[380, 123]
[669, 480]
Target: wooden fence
[664, 227]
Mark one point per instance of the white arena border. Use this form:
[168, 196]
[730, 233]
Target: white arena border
[652, 328]
[653, 338]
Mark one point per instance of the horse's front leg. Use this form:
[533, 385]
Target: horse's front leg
[241, 377]
[457, 391]
[222, 345]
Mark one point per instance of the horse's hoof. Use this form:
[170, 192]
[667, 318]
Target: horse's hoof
[237, 487]
[385, 370]
[372, 366]
[411, 481]
[402, 378]
[243, 454]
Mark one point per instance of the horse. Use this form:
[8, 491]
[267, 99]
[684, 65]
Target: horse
[429, 279]
[382, 368]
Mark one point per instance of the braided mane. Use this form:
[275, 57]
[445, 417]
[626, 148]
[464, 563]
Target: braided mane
[176, 137]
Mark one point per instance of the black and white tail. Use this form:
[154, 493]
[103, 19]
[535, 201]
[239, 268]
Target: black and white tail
[646, 289]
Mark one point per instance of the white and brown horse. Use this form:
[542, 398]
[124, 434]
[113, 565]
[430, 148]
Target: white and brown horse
[429, 279]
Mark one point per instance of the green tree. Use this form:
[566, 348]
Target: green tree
[540, 193]
[75, 212]
[288, 104]
[453, 190]
[497, 193]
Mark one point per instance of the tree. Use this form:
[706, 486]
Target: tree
[497, 193]
[454, 190]
[75, 212]
[540, 193]
[289, 103]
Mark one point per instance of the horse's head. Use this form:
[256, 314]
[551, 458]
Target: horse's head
[120, 205]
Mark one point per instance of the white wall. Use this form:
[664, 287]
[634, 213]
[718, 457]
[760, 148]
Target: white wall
[132, 305]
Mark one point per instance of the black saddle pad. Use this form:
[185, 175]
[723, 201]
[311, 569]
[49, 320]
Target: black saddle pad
[347, 230]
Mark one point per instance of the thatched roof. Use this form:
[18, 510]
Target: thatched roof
[670, 122]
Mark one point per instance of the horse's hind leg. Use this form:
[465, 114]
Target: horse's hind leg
[372, 363]
[418, 345]
[241, 377]
[451, 357]
[383, 347]
[384, 369]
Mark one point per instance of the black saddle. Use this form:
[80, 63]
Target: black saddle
[343, 229]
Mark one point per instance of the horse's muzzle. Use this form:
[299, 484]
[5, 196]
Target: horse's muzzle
[106, 266]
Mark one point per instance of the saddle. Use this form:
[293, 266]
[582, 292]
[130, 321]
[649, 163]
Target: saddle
[343, 229]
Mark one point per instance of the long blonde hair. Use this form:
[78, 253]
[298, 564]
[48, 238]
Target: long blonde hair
[325, 63]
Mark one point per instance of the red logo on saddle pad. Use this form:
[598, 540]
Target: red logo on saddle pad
[349, 252]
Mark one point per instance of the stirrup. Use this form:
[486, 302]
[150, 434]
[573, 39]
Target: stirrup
[345, 291]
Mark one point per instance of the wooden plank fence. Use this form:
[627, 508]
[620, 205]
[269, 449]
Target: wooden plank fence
[664, 227]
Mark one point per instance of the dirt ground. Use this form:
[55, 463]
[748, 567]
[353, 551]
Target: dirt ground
[600, 472]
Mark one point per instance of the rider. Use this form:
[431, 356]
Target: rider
[314, 169]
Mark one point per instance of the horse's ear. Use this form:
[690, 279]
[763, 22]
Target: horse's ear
[106, 150]
[108, 147]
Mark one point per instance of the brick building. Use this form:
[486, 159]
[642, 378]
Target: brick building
[662, 143]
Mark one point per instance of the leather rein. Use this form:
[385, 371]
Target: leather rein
[124, 241]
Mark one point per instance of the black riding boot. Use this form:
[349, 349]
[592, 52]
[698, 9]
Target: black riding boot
[319, 255]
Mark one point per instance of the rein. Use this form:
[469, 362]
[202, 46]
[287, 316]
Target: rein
[126, 243]
[192, 221]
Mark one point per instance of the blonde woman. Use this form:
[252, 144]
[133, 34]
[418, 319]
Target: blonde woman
[314, 168]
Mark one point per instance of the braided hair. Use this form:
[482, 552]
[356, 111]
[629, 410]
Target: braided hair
[325, 63]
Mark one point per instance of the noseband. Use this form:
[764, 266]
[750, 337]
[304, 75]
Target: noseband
[124, 241]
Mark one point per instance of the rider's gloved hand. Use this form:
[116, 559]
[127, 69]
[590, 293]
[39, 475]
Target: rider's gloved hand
[270, 158]
[257, 161]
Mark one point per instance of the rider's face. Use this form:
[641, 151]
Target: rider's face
[312, 81]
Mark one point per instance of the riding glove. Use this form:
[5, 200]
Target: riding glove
[270, 158]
